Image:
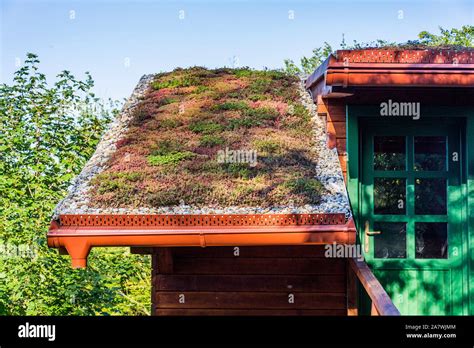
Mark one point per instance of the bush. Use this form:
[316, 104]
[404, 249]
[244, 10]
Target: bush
[35, 173]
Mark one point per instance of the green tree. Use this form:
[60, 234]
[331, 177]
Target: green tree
[463, 37]
[308, 64]
[457, 37]
[47, 133]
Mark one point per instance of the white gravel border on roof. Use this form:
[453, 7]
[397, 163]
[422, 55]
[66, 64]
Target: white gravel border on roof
[328, 172]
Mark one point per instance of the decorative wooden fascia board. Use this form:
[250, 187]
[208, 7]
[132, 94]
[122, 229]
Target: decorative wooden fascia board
[407, 56]
[166, 221]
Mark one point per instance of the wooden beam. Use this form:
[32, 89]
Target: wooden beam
[253, 300]
[245, 312]
[259, 266]
[323, 283]
[381, 302]
[352, 292]
[141, 251]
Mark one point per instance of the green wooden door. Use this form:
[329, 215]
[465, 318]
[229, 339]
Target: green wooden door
[410, 223]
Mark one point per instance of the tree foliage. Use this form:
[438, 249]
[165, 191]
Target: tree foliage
[457, 37]
[463, 37]
[47, 133]
[309, 64]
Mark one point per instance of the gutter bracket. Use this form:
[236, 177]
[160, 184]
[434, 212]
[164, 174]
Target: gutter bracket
[202, 240]
[346, 77]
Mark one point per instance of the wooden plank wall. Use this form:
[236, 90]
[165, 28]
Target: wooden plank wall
[334, 112]
[269, 280]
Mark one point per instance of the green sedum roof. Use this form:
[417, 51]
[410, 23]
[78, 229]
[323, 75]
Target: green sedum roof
[214, 138]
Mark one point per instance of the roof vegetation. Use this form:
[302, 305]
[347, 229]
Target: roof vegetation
[224, 137]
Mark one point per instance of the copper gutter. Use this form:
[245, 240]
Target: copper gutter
[78, 234]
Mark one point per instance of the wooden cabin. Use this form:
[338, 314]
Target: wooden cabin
[381, 165]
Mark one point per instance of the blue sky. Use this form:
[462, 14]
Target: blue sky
[118, 41]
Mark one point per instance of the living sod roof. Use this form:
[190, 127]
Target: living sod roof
[224, 137]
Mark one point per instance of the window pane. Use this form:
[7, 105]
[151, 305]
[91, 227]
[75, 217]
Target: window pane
[430, 196]
[389, 196]
[431, 240]
[392, 242]
[430, 153]
[389, 153]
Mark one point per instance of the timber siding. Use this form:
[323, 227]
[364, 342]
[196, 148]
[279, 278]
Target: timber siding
[260, 281]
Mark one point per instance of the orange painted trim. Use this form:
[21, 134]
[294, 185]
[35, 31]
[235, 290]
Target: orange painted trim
[408, 78]
[78, 240]
[335, 72]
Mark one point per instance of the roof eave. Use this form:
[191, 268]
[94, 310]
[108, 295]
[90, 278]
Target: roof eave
[319, 74]
[78, 240]
[343, 75]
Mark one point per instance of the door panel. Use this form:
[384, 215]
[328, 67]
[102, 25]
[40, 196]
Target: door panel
[410, 214]
[418, 292]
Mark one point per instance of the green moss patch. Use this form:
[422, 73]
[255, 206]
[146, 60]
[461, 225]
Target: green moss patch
[211, 140]
[205, 127]
[170, 158]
